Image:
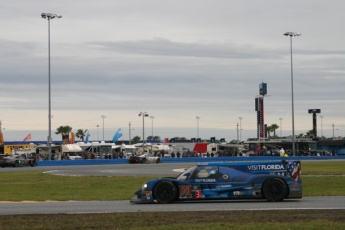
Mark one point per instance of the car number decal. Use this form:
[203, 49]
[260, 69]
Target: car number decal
[185, 190]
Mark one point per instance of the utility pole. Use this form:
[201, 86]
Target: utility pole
[237, 134]
[103, 116]
[129, 133]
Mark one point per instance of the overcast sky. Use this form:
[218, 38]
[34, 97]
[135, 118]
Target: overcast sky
[173, 59]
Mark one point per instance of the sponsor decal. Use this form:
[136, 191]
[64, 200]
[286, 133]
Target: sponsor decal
[237, 193]
[279, 173]
[294, 169]
[225, 176]
[224, 186]
[266, 167]
[205, 180]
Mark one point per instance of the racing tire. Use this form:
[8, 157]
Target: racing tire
[33, 163]
[274, 189]
[165, 192]
[143, 161]
[158, 160]
[16, 164]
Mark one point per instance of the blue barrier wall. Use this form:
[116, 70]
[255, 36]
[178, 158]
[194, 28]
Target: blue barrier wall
[182, 160]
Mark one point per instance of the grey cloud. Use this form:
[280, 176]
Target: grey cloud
[164, 47]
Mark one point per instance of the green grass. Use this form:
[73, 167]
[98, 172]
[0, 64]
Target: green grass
[39, 186]
[323, 168]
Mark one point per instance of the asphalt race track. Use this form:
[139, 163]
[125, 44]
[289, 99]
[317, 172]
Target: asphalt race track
[166, 169]
[71, 207]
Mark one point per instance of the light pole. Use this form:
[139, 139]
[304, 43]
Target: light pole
[281, 127]
[333, 130]
[130, 130]
[321, 125]
[145, 114]
[103, 116]
[49, 16]
[240, 128]
[292, 34]
[152, 117]
[97, 132]
[197, 126]
[237, 133]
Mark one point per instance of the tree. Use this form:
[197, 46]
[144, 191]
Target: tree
[135, 140]
[64, 131]
[274, 127]
[300, 135]
[81, 134]
[156, 138]
[269, 130]
[180, 138]
[310, 133]
[149, 138]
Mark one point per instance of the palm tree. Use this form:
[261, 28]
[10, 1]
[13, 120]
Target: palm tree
[310, 133]
[274, 127]
[300, 135]
[269, 130]
[135, 140]
[81, 134]
[64, 131]
[156, 138]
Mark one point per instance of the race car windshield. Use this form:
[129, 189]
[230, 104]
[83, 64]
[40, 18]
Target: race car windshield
[186, 174]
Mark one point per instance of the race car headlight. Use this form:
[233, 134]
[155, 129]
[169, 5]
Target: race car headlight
[144, 187]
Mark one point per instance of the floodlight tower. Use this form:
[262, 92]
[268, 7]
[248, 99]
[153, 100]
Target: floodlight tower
[145, 114]
[197, 126]
[49, 16]
[292, 34]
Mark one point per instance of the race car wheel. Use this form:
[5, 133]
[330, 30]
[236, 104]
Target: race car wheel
[143, 161]
[274, 189]
[33, 163]
[158, 160]
[165, 192]
[16, 164]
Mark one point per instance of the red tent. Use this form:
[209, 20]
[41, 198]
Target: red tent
[200, 147]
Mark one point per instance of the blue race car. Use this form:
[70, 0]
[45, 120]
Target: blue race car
[272, 180]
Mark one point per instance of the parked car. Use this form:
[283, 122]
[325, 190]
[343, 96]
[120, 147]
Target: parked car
[144, 159]
[73, 156]
[17, 161]
[271, 180]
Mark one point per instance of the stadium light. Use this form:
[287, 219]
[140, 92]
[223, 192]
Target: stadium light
[292, 34]
[49, 16]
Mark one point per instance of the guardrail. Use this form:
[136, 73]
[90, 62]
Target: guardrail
[181, 160]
